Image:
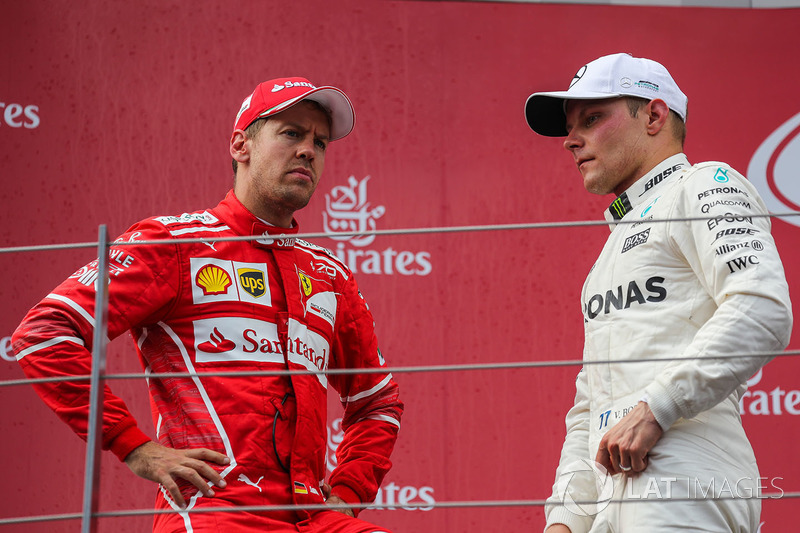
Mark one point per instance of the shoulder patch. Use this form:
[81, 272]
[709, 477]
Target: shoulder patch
[707, 164]
[186, 218]
[323, 260]
[323, 250]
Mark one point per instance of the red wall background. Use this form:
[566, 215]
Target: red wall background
[115, 111]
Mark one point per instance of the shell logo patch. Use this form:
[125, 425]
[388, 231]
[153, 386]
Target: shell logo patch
[213, 280]
[252, 281]
[305, 282]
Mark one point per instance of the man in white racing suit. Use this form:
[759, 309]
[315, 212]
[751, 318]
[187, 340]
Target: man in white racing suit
[656, 406]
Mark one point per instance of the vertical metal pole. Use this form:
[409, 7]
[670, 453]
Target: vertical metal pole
[94, 437]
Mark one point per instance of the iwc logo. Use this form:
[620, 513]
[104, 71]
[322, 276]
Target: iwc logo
[773, 169]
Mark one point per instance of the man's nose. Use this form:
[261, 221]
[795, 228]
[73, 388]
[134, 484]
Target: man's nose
[572, 141]
[305, 149]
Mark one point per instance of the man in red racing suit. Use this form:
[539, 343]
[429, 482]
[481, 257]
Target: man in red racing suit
[230, 306]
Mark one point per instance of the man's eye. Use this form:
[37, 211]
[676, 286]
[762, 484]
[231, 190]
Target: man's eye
[320, 144]
[591, 119]
[291, 133]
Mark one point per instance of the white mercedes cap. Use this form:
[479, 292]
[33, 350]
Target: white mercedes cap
[610, 76]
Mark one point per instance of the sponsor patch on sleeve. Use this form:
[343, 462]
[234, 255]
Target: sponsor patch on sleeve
[204, 218]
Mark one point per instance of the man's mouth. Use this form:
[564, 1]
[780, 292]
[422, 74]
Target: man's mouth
[300, 170]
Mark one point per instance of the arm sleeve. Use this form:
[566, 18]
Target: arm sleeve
[736, 260]
[55, 337]
[573, 477]
[372, 406]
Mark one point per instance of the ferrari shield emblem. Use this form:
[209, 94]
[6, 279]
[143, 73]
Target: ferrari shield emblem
[305, 282]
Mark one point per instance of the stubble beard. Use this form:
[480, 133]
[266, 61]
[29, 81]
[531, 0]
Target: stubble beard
[597, 183]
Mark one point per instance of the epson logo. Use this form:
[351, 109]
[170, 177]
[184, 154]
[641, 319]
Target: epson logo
[728, 217]
[623, 297]
[19, 116]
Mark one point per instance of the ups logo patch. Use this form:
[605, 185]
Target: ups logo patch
[252, 281]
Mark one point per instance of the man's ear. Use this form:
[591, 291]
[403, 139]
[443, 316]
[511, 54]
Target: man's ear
[657, 113]
[239, 147]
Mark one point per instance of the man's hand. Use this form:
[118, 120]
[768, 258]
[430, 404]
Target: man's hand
[331, 498]
[164, 465]
[625, 447]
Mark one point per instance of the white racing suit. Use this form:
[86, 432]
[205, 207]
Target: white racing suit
[687, 290]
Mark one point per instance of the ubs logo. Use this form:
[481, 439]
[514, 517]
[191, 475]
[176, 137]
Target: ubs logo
[773, 169]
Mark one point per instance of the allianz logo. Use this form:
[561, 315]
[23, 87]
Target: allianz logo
[348, 210]
[778, 401]
[390, 495]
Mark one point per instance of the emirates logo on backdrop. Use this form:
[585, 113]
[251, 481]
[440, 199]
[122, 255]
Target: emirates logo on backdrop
[19, 115]
[350, 217]
[390, 495]
[773, 169]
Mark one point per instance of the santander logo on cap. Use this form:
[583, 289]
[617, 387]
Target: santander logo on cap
[773, 171]
[289, 84]
[276, 95]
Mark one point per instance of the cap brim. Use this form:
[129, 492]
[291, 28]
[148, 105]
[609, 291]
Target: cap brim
[343, 116]
[544, 112]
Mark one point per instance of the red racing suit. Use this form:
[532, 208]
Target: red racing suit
[215, 306]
